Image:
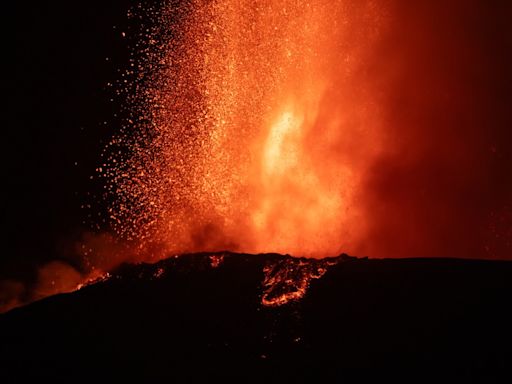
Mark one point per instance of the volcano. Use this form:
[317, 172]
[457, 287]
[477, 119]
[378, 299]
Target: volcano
[271, 318]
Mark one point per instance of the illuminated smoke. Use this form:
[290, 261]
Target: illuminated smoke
[312, 128]
[257, 123]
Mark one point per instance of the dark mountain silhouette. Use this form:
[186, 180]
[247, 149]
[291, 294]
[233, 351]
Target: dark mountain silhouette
[201, 318]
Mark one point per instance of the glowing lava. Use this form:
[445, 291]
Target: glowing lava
[288, 279]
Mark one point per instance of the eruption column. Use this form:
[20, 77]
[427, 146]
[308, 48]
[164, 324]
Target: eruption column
[252, 114]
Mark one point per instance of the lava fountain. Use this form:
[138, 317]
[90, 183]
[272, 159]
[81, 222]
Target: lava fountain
[254, 122]
[308, 128]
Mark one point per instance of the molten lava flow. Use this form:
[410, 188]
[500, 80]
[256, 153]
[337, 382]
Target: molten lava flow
[255, 124]
[287, 280]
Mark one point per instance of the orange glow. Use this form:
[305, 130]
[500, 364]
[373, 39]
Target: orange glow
[261, 122]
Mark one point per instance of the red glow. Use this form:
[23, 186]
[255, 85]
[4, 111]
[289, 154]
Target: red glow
[311, 129]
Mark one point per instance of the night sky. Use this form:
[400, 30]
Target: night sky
[60, 116]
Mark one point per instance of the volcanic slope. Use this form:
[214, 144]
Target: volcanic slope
[272, 318]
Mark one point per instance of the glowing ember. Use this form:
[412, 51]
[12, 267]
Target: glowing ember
[216, 260]
[159, 273]
[244, 128]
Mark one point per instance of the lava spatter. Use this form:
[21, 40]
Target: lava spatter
[243, 120]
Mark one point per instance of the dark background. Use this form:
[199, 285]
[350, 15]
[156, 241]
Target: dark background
[61, 113]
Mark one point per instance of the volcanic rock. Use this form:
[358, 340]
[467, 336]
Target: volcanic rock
[271, 318]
